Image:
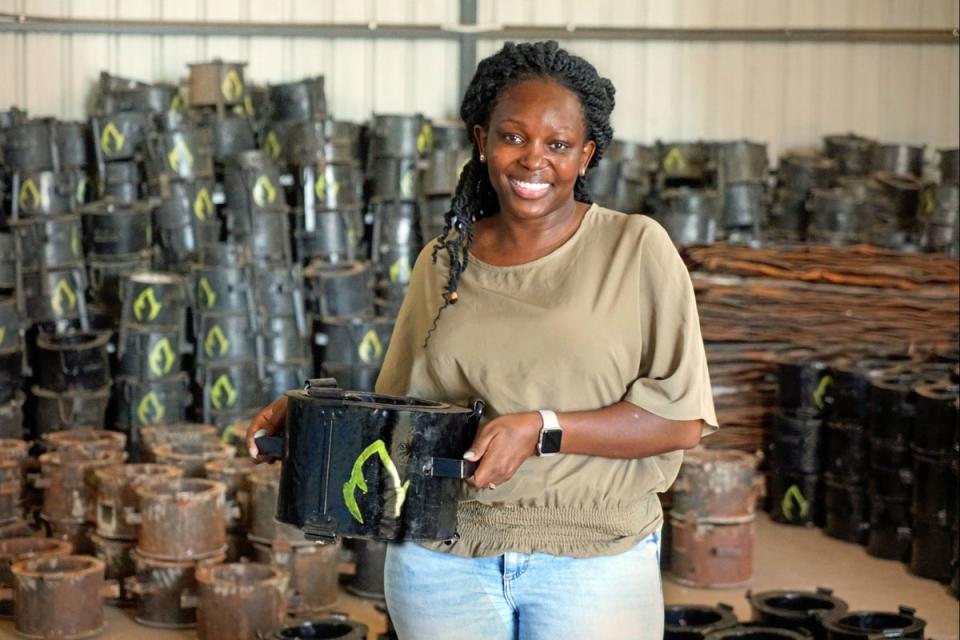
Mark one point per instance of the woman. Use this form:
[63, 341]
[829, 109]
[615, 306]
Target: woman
[578, 327]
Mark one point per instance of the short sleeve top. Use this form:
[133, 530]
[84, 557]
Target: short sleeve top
[608, 316]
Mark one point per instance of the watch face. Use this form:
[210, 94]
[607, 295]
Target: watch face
[550, 441]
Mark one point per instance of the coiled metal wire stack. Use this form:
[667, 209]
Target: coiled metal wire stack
[397, 144]
[151, 386]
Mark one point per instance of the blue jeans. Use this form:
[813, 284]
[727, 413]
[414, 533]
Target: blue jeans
[520, 596]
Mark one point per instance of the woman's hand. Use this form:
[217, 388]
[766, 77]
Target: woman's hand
[266, 423]
[501, 446]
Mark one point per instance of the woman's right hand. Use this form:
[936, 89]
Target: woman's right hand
[266, 423]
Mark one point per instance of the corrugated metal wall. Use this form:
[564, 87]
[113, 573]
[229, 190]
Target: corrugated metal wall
[787, 94]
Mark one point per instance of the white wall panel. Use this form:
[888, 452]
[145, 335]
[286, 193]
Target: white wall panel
[788, 94]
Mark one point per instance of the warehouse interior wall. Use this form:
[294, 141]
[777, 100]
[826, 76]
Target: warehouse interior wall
[786, 94]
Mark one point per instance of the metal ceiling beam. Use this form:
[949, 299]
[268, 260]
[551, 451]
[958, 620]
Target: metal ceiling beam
[468, 44]
[32, 24]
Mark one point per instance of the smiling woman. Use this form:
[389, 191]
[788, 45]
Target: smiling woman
[578, 327]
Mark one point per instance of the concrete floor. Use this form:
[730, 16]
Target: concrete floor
[785, 557]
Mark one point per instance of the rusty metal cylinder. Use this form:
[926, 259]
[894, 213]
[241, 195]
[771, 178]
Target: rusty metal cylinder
[181, 519]
[86, 439]
[191, 457]
[117, 497]
[58, 597]
[68, 482]
[13, 550]
[240, 601]
[264, 490]
[707, 554]
[234, 473]
[118, 564]
[716, 483]
[166, 591]
[14, 449]
[10, 506]
[182, 432]
[314, 572]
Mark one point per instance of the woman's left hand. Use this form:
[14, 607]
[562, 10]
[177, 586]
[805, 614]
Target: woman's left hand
[501, 446]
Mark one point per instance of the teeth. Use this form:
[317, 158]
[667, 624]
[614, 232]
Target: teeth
[536, 186]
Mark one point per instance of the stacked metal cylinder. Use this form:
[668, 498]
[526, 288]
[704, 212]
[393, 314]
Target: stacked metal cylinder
[935, 447]
[44, 170]
[712, 519]
[151, 386]
[846, 445]
[14, 455]
[181, 531]
[12, 362]
[313, 567]
[941, 224]
[742, 169]
[451, 151]
[798, 176]
[625, 177]
[794, 489]
[72, 381]
[397, 145]
[229, 367]
[116, 523]
[69, 491]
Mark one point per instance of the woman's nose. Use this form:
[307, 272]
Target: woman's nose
[533, 156]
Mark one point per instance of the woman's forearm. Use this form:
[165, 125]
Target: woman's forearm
[624, 430]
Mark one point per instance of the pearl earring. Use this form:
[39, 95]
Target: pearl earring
[483, 158]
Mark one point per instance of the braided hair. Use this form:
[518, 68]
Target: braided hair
[474, 197]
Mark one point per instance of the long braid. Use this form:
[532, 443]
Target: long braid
[475, 197]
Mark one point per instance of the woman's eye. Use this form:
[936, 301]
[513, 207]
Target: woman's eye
[559, 146]
[512, 138]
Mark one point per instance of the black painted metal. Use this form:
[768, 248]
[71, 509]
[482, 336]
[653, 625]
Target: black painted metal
[107, 273]
[141, 403]
[114, 228]
[934, 491]
[369, 557]
[899, 158]
[845, 450]
[869, 625]
[938, 413]
[353, 340]
[331, 186]
[55, 295]
[224, 337]
[795, 610]
[290, 374]
[336, 236]
[694, 622]
[795, 498]
[11, 417]
[854, 154]
[154, 298]
[332, 627]
[120, 136]
[44, 192]
[252, 183]
[395, 178]
[890, 533]
[72, 361]
[331, 433]
[150, 352]
[301, 100]
[184, 153]
[756, 632]
[64, 410]
[846, 511]
[339, 289]
[52, 242]
[800, 381]
[232, 136]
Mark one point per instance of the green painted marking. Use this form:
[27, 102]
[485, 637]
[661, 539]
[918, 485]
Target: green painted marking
[821, 391]
[794, 497]
[357, 481]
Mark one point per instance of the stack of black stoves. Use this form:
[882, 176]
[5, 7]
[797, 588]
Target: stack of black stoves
[846, 444]
[933, 505]
[451, 151]
[624, 179]
[396, 146]
[742, 169]
[229, 363]
[45, 163]
[941, 224]
[151, 386]
[794, 488]
[797, 176]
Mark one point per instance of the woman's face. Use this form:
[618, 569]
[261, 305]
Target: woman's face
[536, 147]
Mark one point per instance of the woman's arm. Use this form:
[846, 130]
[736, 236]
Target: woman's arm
[622, 430]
